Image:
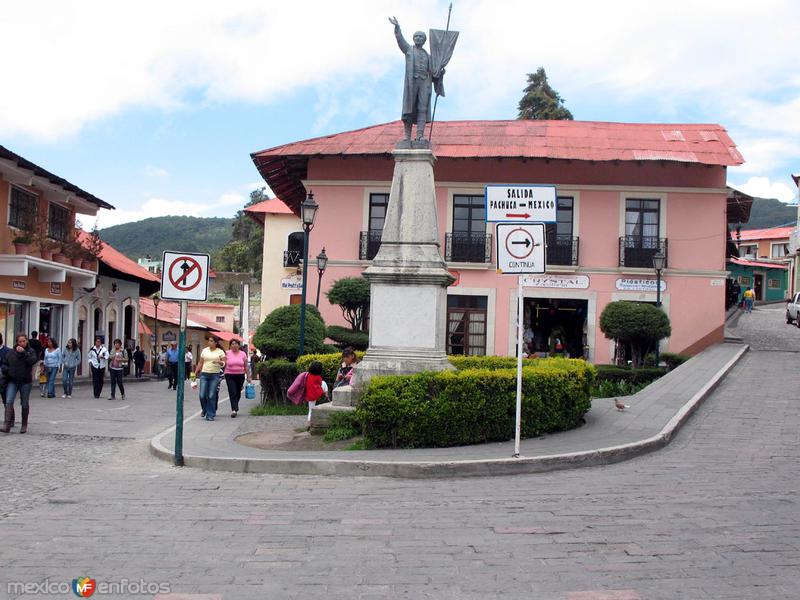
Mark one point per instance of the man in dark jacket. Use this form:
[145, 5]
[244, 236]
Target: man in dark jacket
[36, 345]
[17, 369]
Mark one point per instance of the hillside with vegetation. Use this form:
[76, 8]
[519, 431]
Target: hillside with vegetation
[154, 235]
[769, 212]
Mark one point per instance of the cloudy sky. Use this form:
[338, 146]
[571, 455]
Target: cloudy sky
[156, 106]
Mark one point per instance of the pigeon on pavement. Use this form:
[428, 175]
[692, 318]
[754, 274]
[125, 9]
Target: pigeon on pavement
[620, 404]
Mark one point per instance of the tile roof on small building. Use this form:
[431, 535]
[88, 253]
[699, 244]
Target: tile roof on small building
[284, 167]
[772, 233]
[115, 264]
[273, 206]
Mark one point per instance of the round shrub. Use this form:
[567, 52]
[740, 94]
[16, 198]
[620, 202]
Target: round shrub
[279, 334]
[635, 323]
[473, 406]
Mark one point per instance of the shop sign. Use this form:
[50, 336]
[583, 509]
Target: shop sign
[18, 284]
[55, 289]
[630, 284]
[576, 282]
[291, 283]
[717, 282]
[169, 336]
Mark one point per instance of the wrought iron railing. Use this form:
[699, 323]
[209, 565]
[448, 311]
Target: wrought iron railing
[292, 258]
[369, 242]
[638, 251]
[468, 247]
[562, 250]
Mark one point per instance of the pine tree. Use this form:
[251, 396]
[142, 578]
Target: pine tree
[541, 101]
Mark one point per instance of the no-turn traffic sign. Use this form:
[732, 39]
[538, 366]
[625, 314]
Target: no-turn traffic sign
[520, 248]
[184, 276]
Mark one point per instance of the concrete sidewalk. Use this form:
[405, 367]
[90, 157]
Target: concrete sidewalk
[608, 436]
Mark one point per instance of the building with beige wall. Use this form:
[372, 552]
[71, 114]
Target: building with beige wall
[281, 281]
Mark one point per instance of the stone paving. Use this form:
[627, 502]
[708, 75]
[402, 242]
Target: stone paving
[714, 515]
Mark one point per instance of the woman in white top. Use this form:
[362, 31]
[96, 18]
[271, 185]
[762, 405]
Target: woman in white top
[98, 357]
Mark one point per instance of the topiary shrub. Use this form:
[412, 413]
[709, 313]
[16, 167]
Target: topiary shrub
[473, 406]
[351, 294]
[279, 333]
[276, 375]
[635, 323]
[344, 337]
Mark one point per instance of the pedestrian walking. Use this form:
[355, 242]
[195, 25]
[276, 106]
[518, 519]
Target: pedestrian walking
[236, 371]
[70, 359]
[3, 383]
[138, 362]
[209, 368]
[118, 360]
[172, 366]
[161, 363]
[36, 345]
[189, 360]
[98, 358]
[17, 368]
[52, 365]
[749, 296]
[314, 390]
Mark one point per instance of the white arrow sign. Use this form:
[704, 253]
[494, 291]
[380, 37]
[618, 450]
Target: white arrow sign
[520, 248]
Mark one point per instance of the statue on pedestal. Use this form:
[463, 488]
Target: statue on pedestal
[422, 72]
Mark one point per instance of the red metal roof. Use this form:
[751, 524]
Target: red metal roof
[284, 166]
[114, 259]
[773, 233]
[751, 263]
[273, 206]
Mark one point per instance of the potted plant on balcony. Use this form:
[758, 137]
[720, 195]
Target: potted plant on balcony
[94, 248]
[75, 252]
[22, 243]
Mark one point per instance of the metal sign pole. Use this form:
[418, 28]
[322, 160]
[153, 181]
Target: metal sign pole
[520, 312]
[180, 386]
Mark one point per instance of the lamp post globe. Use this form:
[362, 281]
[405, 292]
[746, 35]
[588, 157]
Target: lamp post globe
[308, 212]
[322, 264]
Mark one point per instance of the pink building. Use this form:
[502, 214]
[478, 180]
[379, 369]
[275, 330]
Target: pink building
[625, 191]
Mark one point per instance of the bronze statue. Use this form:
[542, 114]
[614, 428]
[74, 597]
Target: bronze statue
[422, 71]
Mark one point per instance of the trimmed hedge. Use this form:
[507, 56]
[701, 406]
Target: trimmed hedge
[344, 336]
[473, 406]
[276, 376]
[462, 363]
[635, 376]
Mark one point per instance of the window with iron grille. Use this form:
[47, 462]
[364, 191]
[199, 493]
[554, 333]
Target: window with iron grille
[466, 325]
[22, 208]
[58, 223]
[293, 255]
[468, 239]
[559, 234]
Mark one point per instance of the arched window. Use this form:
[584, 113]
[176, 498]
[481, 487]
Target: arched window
[294, 249]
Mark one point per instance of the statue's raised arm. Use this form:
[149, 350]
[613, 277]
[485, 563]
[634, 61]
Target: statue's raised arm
[401, 41]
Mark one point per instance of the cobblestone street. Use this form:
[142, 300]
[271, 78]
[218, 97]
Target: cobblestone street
[714, 515]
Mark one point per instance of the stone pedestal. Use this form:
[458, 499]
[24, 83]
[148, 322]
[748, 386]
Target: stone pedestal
[408, 278]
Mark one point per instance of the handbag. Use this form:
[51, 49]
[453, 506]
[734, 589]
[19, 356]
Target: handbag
[297, 391]
[249, 391]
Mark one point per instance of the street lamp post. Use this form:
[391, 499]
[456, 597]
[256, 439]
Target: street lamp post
[156, 300]
[322, 263]
[658, 264]
[308, 210]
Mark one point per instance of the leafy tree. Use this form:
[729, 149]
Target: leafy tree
[640, 325]
[279, 333]
[541, 101]
[352, 296]
[358, 340]
[154, 235]
[245, 251]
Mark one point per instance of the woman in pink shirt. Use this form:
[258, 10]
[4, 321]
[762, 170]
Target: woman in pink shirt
[235, 373]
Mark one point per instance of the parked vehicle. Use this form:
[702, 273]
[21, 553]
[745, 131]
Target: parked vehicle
[792, 310]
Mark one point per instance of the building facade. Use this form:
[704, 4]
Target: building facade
[38, 283]
[625, 192]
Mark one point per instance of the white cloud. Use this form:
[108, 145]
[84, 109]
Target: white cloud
[152, 171]
[232, 199]
[154, 207]
[763, 187]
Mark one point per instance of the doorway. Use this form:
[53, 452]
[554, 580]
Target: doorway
[758, 285]
[556, 327]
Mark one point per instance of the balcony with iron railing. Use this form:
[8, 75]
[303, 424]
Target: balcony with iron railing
[562, 250]
[369, 242]
[638, 251]
[468, 247]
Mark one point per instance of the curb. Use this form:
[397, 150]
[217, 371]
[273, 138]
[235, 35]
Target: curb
[466, 468]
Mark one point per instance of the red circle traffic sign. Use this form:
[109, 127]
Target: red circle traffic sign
[180, 281]
[526, 241]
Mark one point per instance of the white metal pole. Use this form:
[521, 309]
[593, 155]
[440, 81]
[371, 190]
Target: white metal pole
[518, 426]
